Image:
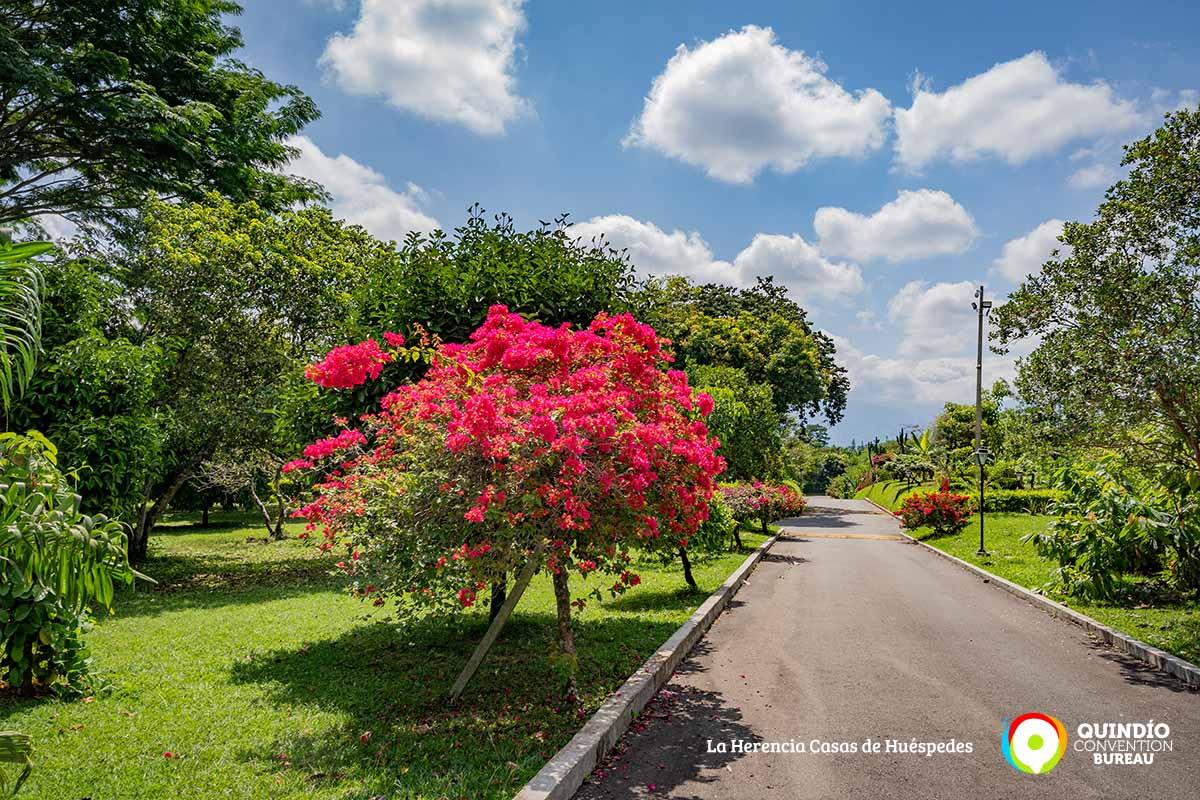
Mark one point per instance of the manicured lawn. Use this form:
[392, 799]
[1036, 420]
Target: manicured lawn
[1172, 625]
[891, 494]
[263, 680]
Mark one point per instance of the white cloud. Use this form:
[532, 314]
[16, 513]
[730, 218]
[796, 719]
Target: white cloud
[934, 319]
[799, 266]
[653, 251]
[1092, 176]
[360, 194]
[868, 320]
[448, 60]
[793, 261]
[917, 224]
[1016, 110]
[1025, 255]
[742, 103]
[931, 380]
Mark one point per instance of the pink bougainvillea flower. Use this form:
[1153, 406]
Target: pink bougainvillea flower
[349, 366]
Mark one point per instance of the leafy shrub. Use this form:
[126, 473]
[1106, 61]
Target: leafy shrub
[54, 562]
[842, 486]
[1003, 475]
[1020, 501]
[1112, 522]
[715, 534]
[911, 467]
[946, 513]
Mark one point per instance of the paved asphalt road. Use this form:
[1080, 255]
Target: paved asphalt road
[846, 632]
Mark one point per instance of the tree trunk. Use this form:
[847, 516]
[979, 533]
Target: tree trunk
[274, 526]
[566, 635]
[687, 569]
[204, 513]
[140, 538]
[499, 594]
[27, 678]
[737, 535]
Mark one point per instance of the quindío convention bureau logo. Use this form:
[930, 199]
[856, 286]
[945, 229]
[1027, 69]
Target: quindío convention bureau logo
[1034, 742]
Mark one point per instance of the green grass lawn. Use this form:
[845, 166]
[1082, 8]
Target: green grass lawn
[891, 494]
[264, 680]
[1172, 626]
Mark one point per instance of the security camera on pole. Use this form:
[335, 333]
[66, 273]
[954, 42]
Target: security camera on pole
[984, 307]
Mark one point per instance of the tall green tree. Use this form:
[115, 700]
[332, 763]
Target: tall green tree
[744, 420]
[1118, 315]
[105, 101]
[446, 282]
[758, 330]
[222, 305]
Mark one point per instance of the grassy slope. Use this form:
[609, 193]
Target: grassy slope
[1175, 627]
[250, 664]
[891, 494]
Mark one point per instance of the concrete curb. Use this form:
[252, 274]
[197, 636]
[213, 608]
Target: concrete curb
[563, 774]
[1161, 660]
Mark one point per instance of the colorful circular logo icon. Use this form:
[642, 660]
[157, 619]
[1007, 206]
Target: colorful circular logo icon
[1034, 743]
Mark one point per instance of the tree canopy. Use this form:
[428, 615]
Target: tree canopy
[185, 335]
[758, 330]
[1118, 314]
[104, 102]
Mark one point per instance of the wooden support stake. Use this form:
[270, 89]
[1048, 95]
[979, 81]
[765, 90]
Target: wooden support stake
[493, 630]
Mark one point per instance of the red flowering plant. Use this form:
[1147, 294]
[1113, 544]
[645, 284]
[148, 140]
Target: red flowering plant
[946, 513]
[528, 442]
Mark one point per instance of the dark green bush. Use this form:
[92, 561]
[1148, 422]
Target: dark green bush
[842, 486]
[1113, 523]
[1020, 501]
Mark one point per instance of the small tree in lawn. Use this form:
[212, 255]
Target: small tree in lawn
[561, 446]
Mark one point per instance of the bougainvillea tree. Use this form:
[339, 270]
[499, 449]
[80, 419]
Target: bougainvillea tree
[566, 446]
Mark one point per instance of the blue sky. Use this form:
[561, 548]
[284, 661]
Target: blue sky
[879, 159]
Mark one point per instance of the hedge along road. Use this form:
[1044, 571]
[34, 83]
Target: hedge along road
[846, 632]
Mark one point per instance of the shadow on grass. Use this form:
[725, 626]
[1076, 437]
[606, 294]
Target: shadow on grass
[212, 580]
[189, 522]
[390, 682]
[659, 599]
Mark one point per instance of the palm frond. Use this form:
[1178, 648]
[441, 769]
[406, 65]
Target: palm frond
[21, 288]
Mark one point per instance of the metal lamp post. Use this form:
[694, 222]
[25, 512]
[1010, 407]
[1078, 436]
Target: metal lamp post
[984, 308]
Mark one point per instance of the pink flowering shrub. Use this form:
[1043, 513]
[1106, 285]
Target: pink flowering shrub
[528, 441]
[762, 502]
